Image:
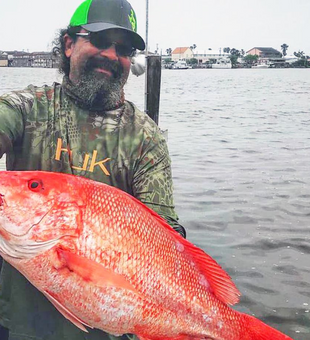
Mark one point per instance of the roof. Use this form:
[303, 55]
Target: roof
[18, 53]
[180, 50]
[211, 52]
[265, 49]
[41, 53]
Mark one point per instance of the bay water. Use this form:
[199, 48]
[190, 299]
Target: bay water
[239, 142]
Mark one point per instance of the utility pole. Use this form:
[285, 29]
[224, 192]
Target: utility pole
[146, 53]
[152, 77]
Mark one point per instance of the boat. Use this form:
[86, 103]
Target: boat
[180, 65]
[262, 64]
[222, 63]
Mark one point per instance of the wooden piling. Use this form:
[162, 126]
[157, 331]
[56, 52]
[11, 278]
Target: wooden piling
[153, 80]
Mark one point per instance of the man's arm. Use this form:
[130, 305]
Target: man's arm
[152, 183]
[11, 121]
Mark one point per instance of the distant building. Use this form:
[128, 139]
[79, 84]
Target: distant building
[4, 62]
[267, 57]
[265, 52]
[210, 56]
[34, 59]
[43, 59]
[20, 59]
[182, 53]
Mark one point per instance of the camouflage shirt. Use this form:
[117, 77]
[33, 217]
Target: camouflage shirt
[43, 129]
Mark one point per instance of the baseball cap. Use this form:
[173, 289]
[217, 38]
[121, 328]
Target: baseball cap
[100, 15]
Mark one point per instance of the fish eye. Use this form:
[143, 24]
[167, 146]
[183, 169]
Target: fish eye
[35, 185]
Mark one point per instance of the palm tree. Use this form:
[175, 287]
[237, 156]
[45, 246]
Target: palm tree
[299, 54]
[235, 52]
[284, 48]
[169, 51]
[193, 47]
[303, 59]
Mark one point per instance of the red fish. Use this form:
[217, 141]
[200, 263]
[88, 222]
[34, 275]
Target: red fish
[107, 261]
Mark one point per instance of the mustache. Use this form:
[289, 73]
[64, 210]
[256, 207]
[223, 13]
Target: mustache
[103, 62]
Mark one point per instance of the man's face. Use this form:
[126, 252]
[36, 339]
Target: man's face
[97, 72]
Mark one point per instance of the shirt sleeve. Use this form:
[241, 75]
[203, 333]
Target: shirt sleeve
[12, 108]
[152, 183]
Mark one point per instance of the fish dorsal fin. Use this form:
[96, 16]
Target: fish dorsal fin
[67, 313]
[220, 282]
[179, 337]
[94, 272]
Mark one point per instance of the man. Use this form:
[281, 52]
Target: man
[84, 127]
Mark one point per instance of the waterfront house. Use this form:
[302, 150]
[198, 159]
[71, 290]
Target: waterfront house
[34, 59]
[267, 57]
[43, 59]
[19, 59]
[4, 62]
[210, 56]
[182, 53]
[265, 52]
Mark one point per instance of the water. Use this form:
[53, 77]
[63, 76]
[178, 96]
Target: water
[240, 147]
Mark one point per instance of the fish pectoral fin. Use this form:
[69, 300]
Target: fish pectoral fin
[94, 272]
[67, 313]
[179, 337]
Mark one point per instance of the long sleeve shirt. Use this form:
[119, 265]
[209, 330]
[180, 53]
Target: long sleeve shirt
[41, 128]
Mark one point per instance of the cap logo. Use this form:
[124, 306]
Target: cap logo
[133, 20]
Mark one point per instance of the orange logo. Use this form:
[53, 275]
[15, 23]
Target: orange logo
[87, 158]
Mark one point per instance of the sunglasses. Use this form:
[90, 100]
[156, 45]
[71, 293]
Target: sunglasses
[102, 43]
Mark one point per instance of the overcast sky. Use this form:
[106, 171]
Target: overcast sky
[242, 24]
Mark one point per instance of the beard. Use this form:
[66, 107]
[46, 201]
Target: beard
[99, 90]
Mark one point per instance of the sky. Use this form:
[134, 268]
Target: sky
[31, 25]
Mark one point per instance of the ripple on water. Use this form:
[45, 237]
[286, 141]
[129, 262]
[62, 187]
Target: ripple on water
[240, 149]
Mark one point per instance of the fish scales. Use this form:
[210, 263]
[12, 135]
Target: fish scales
[107, 261]
[131, 236]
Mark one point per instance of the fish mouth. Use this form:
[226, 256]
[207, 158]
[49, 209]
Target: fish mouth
[6, 220]
[20, 246]
[25, 251]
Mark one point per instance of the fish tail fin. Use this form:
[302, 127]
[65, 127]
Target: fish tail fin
[258, 330]
[180, 337]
